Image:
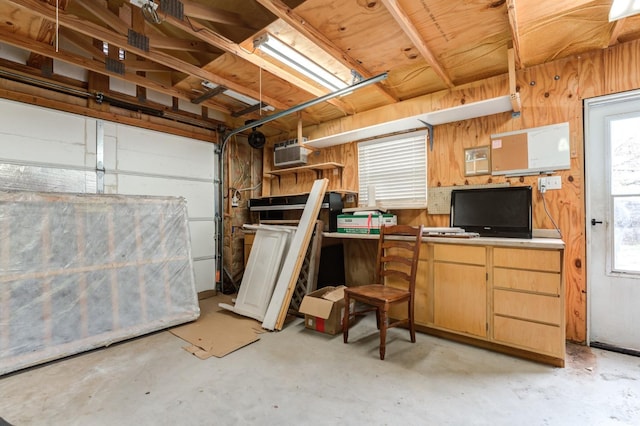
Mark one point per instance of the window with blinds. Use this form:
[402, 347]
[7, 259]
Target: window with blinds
[394, 170]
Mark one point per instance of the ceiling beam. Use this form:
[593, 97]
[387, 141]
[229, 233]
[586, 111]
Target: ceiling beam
[92, 30]
[411, 31]
[157, 41]
[209, 13]
[215, 39]
[515, 34]
[616, 29]
[288, 15]
[131, 64]
[95, 66]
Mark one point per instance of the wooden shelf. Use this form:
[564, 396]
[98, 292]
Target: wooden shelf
[316, 168]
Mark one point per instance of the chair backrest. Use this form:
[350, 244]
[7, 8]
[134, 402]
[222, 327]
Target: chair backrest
[398, 253]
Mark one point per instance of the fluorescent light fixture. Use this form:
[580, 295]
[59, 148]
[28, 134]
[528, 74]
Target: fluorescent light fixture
[623, 8]
[246, 99]
[290, 57]
[237, 96]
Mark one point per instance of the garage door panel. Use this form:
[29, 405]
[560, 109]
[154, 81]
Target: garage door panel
[199, 195]
[202, 241]
[204, 276]
[158, 153]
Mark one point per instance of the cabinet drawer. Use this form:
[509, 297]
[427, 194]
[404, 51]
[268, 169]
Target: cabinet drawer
[528, 306]
[459, 254]
[541, 282]
[541, 260]
[546, 339]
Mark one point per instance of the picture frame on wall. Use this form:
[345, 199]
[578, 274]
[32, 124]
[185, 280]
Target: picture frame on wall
[477, 161]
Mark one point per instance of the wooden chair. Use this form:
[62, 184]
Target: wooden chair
[397, 262]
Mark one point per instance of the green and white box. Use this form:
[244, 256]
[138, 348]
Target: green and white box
[364, 223]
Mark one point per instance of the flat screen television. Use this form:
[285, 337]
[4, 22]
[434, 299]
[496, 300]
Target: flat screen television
[493, 212]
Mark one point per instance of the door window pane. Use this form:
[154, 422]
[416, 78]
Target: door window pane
[626, 234]
[625, 155]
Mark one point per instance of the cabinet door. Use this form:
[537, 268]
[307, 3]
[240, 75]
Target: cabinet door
[460, 298]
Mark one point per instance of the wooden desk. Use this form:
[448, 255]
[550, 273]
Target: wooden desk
[504, 294]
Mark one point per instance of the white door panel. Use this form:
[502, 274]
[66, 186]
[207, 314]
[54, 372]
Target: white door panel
[261, 273]
[613, 220]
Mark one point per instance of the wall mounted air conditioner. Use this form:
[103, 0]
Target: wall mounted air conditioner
[289, 153]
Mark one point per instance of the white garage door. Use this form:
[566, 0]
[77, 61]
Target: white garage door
[48, 150]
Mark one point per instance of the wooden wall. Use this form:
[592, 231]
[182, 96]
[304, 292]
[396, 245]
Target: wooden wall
[550, 93]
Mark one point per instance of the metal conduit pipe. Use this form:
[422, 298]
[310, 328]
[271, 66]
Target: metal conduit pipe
[221, 169]
[44, 84]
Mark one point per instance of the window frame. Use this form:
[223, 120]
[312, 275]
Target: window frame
[384, 156]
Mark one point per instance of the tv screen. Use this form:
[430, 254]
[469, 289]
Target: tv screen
[493, 212]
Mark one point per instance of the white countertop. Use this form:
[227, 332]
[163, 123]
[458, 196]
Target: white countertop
[549, 243]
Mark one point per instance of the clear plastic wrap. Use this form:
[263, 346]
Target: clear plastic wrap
[83, 271]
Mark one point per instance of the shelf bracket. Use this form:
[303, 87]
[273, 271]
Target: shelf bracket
[429, 133]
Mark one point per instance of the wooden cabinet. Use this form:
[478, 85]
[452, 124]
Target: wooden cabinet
[460, 289]
[499, 293]
[528, 308]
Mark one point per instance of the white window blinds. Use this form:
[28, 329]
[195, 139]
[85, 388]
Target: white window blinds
[395, 170]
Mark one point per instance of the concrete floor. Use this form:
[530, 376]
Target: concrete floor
[300, 377]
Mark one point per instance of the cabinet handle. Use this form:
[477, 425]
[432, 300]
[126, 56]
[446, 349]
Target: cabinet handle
[595, 222]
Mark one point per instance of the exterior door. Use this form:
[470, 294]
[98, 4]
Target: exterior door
[613, 220]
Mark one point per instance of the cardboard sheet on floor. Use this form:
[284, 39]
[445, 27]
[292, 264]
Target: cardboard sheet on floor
[217, 332]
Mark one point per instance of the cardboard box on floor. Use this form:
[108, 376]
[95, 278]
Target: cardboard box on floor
[323, 309]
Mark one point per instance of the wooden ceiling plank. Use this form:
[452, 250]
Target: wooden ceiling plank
[95, 66]
[91, 30]
[207, 35]
[411, 31]
[515, 34]
[288, 15]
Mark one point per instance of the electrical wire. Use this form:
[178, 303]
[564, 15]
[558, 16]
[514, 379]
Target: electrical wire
[544, 204]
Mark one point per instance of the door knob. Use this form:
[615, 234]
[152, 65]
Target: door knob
[595, 222]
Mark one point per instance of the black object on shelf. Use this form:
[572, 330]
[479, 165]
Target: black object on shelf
[273, 208]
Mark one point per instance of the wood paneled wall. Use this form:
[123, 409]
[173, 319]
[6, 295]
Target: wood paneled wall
[550, 93]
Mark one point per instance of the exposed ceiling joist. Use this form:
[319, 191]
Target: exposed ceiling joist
[515, 35]
[411, 31]
[209, 13]
[282, 11]
[95, 66]
[205, 34]
[91, 30]
[616, 29]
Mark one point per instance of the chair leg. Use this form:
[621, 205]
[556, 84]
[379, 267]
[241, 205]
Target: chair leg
[383, 332]
[345, 319]
[378, 318]
[412, 327]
